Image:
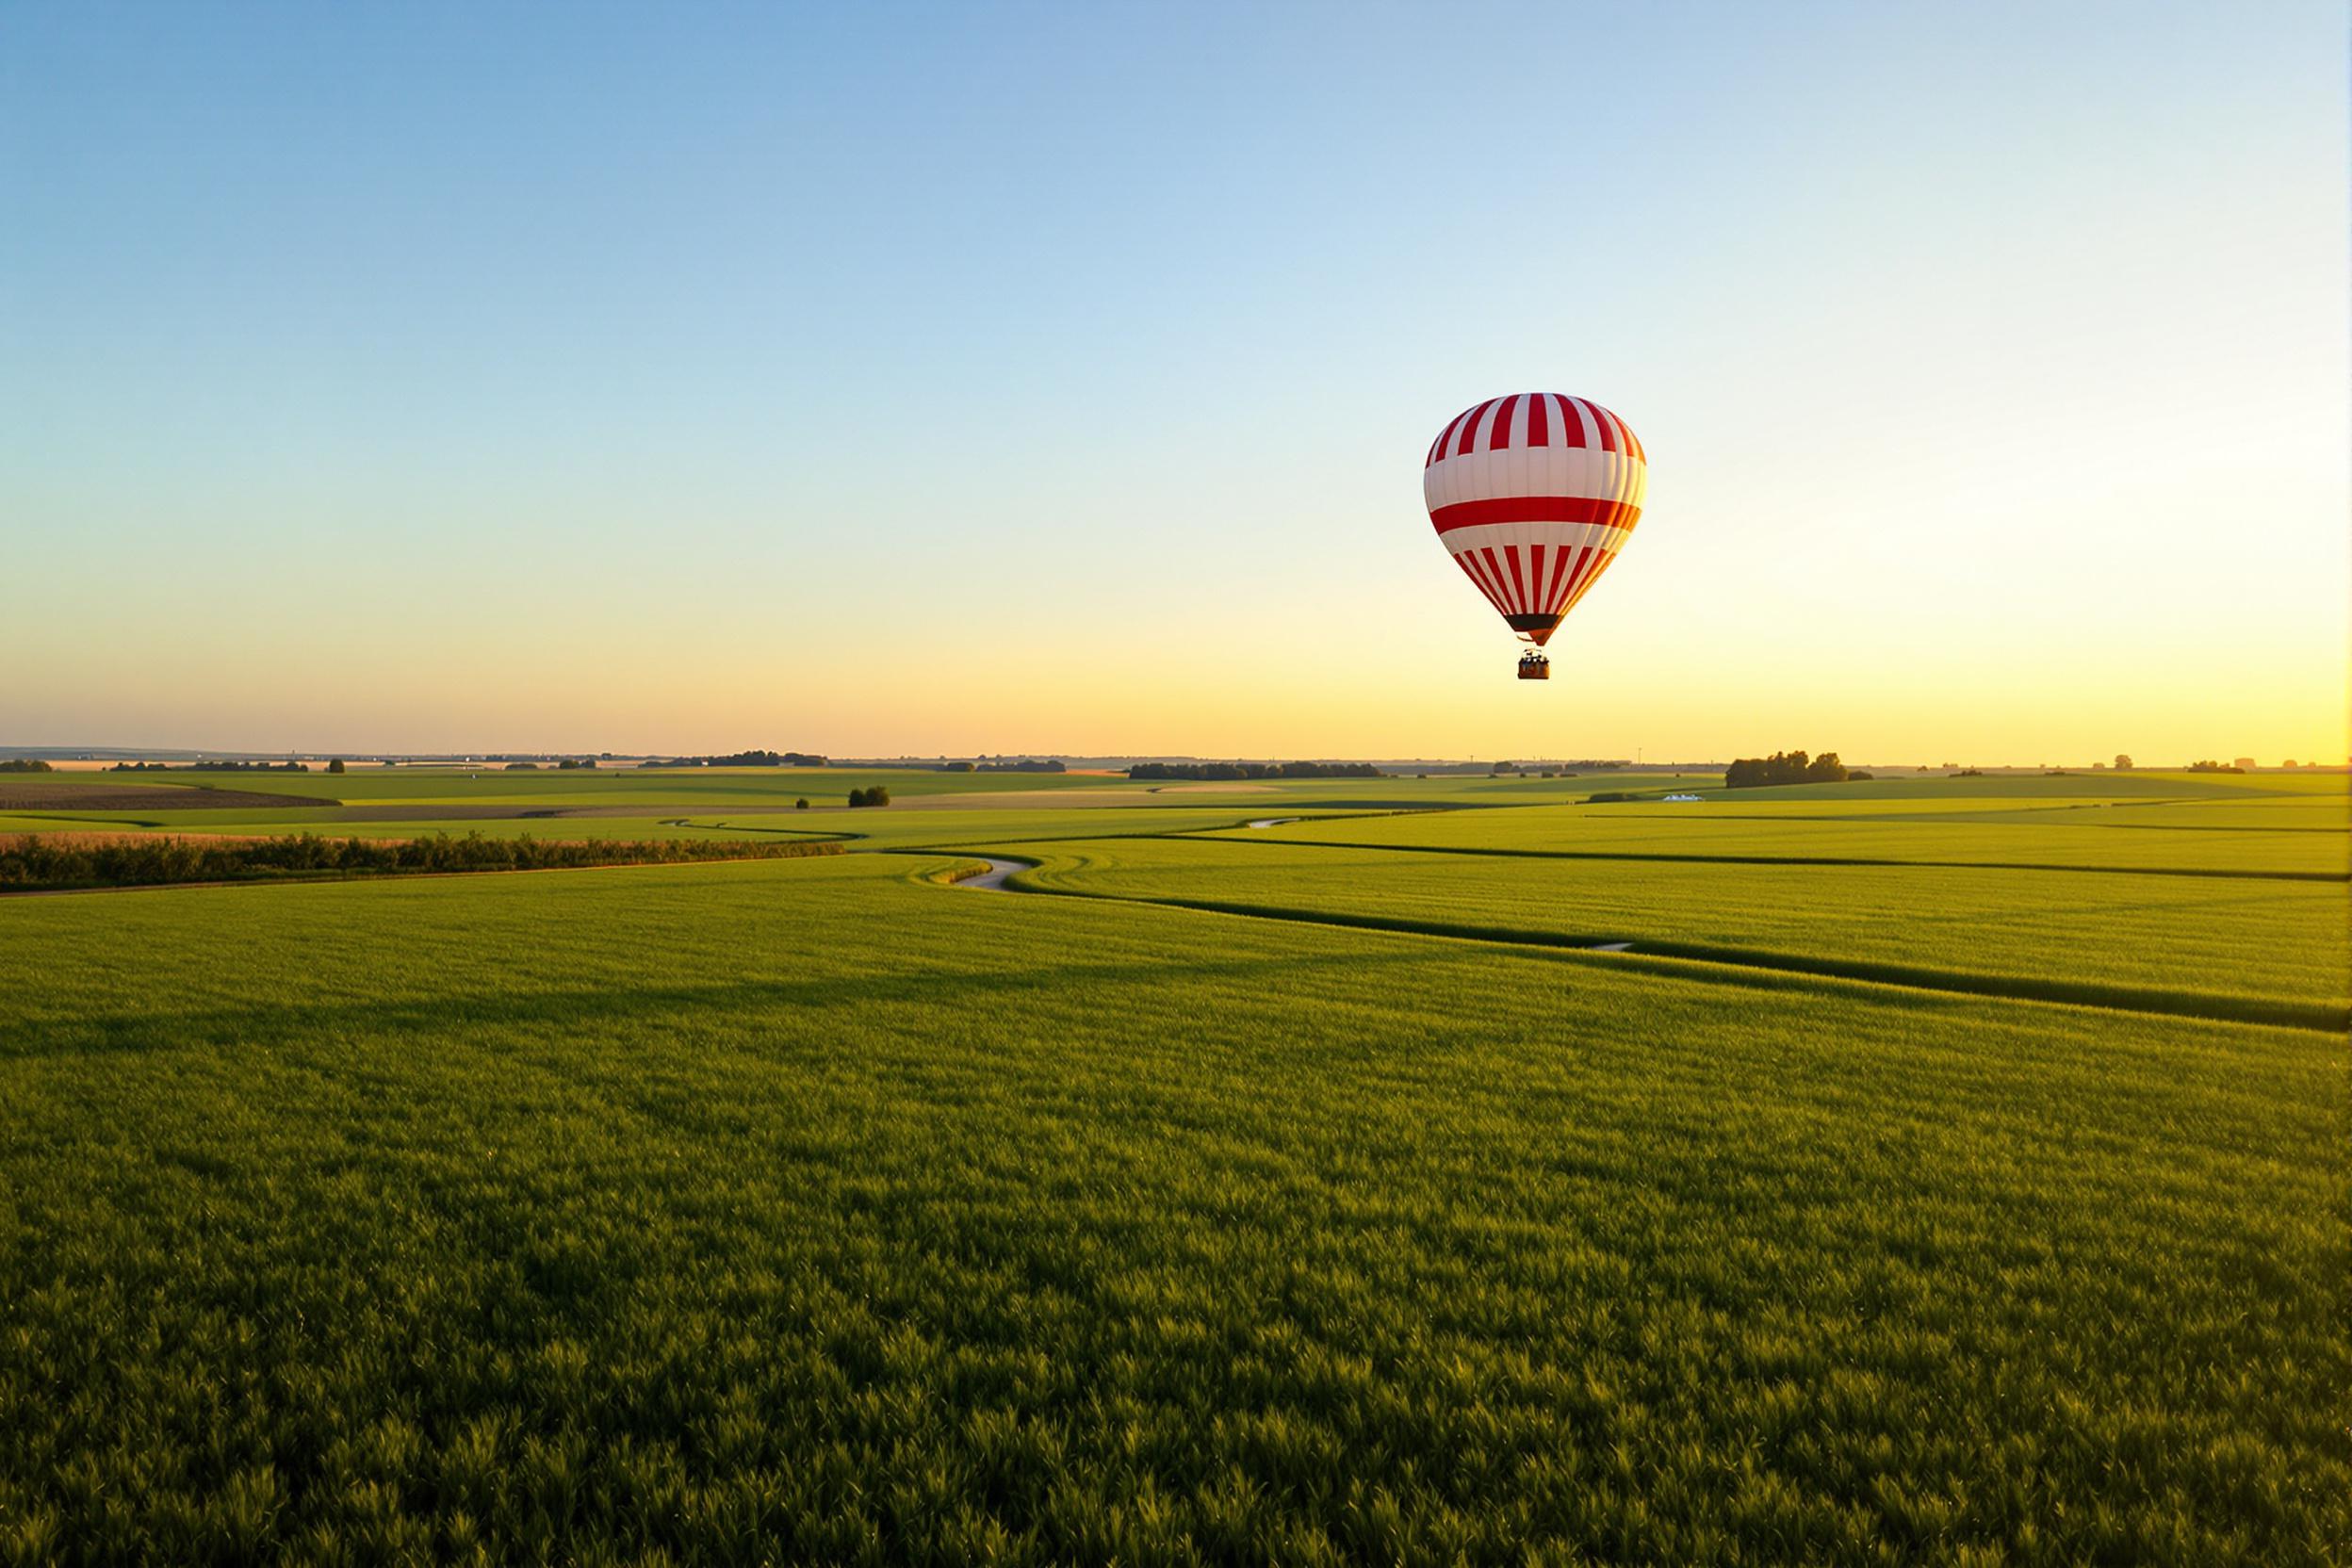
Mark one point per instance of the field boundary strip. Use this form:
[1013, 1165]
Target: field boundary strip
[1666, 955]
[324, 877]
[1212, 835]
[2024, 816]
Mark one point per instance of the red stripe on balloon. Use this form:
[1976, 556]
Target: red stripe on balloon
[1559, 572]
[1535, 509]
[1494, 569]
[1500, 436]
[1586, 570]
[1538, 419]
[1443, 436]
[1600, 422]
[1468, 560]
[1570, 422]
[1470, 427]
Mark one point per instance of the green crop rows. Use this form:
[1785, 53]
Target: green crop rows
[813, 1211]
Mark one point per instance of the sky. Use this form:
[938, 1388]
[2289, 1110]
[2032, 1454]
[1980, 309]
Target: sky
[908, 379]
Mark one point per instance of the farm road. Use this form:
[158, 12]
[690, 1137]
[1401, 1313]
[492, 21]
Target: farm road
[992, 880]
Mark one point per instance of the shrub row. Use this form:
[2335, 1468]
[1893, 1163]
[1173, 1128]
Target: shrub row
[211, 767]
[741, 759]
[1222, 770]
[37, 861]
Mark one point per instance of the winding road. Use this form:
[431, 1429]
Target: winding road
[993, 879]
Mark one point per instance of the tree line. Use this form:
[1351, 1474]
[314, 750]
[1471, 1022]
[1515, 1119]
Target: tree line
[1787, 767]
[211, 767]
[878, 795]
[1221, 771]
[25, 764]
[77, 860]
[741, 759]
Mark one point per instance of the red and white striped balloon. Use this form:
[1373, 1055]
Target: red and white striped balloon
[1533, 495]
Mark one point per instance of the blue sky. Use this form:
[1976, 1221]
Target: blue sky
[948, 378]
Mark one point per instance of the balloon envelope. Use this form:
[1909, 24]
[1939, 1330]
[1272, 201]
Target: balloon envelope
[1533, 495]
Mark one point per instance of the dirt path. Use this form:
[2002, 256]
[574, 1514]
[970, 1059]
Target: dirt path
[992, 879]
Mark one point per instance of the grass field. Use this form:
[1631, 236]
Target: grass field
[2227, 939]
[811, 1210]
[1728, 829]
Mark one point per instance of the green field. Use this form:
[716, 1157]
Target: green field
[1732, 830]
[2175, 939]
[815, 1210]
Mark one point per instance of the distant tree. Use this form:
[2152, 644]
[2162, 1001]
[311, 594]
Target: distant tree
[335, 765]
[1856, 777]
[2123, 762]
[577, 762]
[801, 804]
[34, 764]
[1241, 770]
[877, 795]
[1783, 767]
[522, 767]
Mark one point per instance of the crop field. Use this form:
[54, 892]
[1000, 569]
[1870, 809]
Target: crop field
[2020, 838]
[1291, 1193]
[2179, 939]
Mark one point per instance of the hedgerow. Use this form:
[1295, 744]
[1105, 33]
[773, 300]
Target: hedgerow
[83, 861]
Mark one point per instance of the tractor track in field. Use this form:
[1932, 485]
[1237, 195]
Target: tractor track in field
[1721, 964]
[1671, 856]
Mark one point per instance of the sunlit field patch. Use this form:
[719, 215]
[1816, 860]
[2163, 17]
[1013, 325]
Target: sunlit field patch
[2224, 938]
[808, 1210]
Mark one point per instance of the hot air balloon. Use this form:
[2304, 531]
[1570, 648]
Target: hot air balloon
[1533, 495]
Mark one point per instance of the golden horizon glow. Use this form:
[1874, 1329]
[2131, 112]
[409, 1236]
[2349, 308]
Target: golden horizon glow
[1995, 399]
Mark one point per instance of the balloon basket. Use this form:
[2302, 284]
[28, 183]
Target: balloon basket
[1534, 666]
